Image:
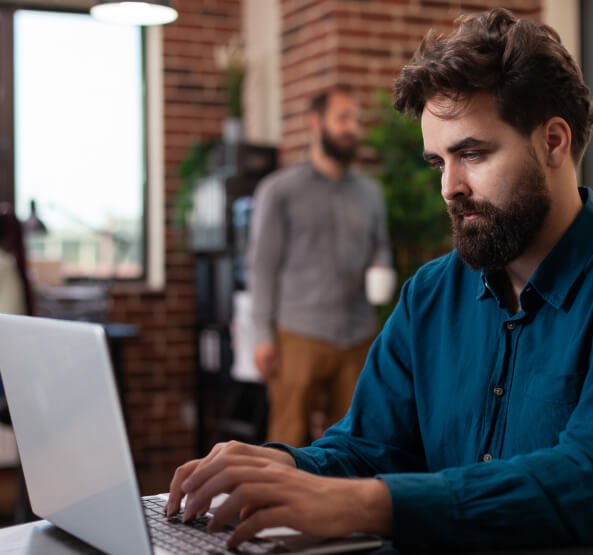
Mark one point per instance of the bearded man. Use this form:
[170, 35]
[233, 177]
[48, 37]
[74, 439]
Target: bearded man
[317, 227]
[471, 424]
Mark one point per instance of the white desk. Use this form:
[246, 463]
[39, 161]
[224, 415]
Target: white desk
[42, 538]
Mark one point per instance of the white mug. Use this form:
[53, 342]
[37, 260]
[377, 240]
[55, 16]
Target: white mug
[380, 284]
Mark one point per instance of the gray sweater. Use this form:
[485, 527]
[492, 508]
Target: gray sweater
[311, 241]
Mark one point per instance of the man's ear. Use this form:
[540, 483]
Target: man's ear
[558, 140]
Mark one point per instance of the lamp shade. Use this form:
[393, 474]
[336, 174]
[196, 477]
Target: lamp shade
[147, 12]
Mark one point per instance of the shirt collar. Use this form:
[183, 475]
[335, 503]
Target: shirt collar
[556, 275]
[346, 176]
[483, 287]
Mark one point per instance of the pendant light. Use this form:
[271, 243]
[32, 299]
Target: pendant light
[147, 12]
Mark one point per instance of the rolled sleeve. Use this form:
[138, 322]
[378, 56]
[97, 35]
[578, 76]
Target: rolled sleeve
[304, 461]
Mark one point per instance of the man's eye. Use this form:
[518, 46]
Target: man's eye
[472, 155]
[438, 165]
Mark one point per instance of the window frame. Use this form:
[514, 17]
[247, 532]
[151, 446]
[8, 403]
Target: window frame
[152, 276]
[6, 104]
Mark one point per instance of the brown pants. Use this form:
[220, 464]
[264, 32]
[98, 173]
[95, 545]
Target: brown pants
[308, 367]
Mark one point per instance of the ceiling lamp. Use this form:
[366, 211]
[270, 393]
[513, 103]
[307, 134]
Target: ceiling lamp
[147, 12]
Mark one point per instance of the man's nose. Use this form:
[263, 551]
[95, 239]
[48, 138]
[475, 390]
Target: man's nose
[454, 182]
[353, 126]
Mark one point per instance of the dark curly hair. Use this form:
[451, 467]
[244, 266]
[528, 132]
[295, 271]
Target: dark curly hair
[320, 101]
[522, 63]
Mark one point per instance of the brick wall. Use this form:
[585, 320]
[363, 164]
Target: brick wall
[160, 364]
[360, 43]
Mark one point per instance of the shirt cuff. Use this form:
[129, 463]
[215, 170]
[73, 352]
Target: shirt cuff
[264, 336]
[303, 461]
[423, 509]
[383, 258]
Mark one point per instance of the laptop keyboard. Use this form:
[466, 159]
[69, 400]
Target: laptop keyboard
[193, 537]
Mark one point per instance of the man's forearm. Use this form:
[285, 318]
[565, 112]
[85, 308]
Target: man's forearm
[281, 455]
[263, 291]
[263, 321]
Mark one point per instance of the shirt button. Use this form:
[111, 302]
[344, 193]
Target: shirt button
[498, 391]
[511, 325]
[487, 457]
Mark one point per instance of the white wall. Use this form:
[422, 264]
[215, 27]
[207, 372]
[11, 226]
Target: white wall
[565, 17]
[261, 99]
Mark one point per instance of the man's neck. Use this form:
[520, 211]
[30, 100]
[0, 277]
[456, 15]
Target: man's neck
[559, 219]
[326, 165]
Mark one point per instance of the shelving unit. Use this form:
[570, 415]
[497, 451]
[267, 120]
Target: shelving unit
[226, 408]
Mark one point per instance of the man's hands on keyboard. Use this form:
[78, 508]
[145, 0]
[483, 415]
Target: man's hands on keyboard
[266, 490]
[193, 536]
[176, 493]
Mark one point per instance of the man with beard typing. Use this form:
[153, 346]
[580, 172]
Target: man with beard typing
[472, 421]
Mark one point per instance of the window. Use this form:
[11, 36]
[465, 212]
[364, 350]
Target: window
[79, 131]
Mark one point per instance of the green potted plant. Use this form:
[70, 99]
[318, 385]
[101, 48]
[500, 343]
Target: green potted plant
[230, 60]
[193, 168]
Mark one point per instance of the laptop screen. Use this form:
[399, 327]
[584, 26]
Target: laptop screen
[70, 432]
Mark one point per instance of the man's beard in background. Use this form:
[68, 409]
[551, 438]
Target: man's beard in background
[344, 154]
[500, 235]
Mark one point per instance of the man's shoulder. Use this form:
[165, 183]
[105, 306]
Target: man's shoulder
[363, 179]
[437, 266]
[440, 273]
[284, 179]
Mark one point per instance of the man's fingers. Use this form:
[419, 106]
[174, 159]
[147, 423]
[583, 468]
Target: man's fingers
[256, 495]
[247, 511]
[228, 480]
[272, 363]
[194, 507]
[260, 519]
[265, 357]
[271, 368]
[222, 463]
[193, 475]
[175, 492]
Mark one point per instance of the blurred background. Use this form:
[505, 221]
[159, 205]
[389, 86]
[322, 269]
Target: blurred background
[130, 155]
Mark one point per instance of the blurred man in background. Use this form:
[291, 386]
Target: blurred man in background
[317, 227]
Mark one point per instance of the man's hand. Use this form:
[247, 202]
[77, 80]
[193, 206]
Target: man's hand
[266, 490]
[265, 357]
[176, 493]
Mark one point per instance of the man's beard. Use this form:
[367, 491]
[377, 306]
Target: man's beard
[500, 235]
[344, 154]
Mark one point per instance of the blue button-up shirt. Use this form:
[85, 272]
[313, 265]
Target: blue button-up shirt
[479, 421]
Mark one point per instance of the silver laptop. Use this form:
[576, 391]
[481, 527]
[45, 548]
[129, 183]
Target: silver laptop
[75, 455]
